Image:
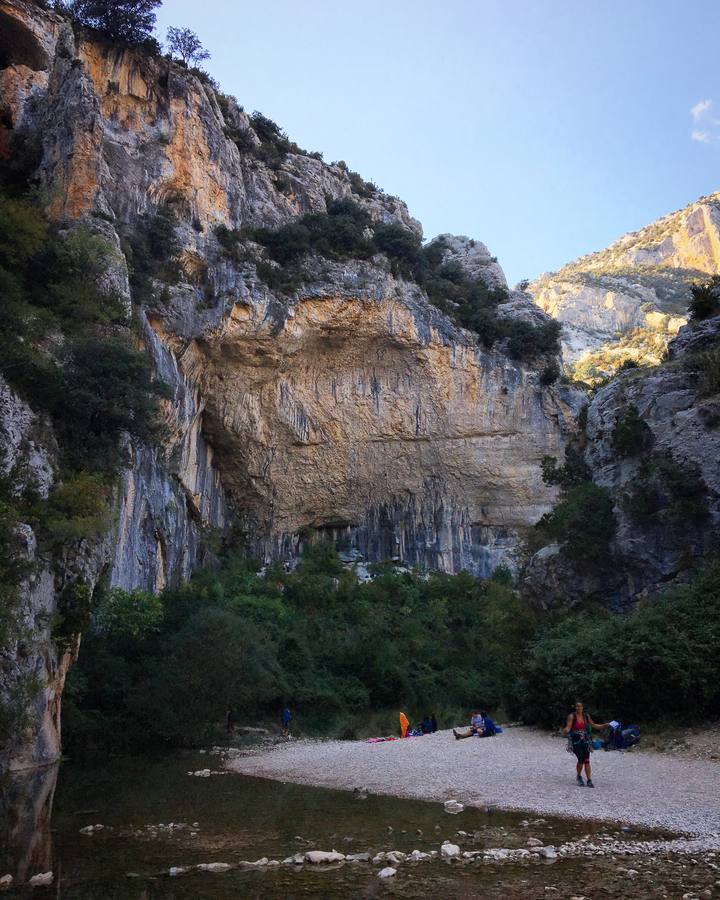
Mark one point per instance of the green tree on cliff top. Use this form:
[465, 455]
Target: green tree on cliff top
[130, 21]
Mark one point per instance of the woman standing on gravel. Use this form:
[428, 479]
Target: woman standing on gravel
[578, 726]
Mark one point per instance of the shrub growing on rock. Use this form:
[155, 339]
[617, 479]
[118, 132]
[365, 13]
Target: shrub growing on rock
[667, 489]
[526, 341]
[573, 472]
[583, 522]
[631, 434]
[550, 374]
[705, 300]
[708, 363]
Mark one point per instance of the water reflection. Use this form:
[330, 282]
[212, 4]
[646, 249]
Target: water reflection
[155, 816]
[26, 802]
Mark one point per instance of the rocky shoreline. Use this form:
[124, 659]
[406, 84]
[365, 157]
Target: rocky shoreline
[523, 770]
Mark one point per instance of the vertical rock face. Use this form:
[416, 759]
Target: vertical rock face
[629, 300]
[364, 415]
[673, 480]
[169, 497]
[348, 406]
[33, 666]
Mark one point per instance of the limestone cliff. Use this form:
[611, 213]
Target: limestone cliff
[629, 300]
[665, 489]
[346, 405]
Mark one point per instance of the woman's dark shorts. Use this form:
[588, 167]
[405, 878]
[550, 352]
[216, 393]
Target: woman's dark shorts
[581, 747]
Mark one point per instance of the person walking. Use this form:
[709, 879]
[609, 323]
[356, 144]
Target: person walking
[286, 720]
[578, 727]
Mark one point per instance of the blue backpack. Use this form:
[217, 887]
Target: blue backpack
[622, 737]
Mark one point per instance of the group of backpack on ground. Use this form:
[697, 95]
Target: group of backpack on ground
[578, 728]
[481, 725]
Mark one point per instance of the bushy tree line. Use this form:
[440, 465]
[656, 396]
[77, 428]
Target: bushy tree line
[331, 647]
[127, 21]
[660, 662]
[165, 671]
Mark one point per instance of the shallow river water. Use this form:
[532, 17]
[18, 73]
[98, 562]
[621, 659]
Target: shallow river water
[229, 818]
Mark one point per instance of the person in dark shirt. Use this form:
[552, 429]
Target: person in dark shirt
[286, 719]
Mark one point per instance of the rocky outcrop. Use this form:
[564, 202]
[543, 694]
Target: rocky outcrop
[346, 406]
[629, 300]
[33, 664]
[675, 476]
[365, 414]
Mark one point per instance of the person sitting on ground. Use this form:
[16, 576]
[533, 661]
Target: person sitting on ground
[489, 727]
[578, 727]
[426, 725]
[477, 727]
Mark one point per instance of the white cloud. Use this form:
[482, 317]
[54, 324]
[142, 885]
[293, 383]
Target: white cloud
[702, 137]
[700, 109]
[708, 124]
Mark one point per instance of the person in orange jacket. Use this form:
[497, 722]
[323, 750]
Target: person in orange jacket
[404, 724]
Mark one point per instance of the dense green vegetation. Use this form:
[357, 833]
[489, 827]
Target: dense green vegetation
[151, 249]
[60, 344]
[659, 662]
[346, 231]
[332, 647]
[124, 21]
[165, 671]
[583, 522]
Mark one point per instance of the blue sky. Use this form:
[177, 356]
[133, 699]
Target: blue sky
[544, 129]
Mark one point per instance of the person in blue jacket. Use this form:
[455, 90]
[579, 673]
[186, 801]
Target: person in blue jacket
[286, 719]
[489, 727]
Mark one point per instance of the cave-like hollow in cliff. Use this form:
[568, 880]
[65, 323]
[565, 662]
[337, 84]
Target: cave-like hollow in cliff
[19, 46]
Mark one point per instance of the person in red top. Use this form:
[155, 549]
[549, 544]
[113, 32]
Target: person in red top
[578, 726]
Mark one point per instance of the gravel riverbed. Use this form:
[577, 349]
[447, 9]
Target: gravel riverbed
[521, 769]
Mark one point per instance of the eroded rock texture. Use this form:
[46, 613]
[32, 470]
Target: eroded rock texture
[674, 477]
[629, 300]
